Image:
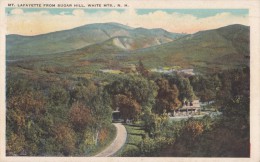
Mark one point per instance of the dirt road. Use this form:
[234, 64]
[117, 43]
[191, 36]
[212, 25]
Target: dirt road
[117, 143]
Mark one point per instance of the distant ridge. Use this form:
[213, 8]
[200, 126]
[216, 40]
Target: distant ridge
[222, 48]
[225, 47]
[79, 37]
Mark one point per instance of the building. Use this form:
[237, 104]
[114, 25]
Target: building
[188, 108]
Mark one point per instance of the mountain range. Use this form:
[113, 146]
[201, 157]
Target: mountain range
[222, 48]
[225, 47]
[123, 37]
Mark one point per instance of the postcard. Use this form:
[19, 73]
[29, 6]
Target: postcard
[130, 80]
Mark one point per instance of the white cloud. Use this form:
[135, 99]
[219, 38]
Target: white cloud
[43, 22]
[17, 11]
[78, 12]
[64, 13]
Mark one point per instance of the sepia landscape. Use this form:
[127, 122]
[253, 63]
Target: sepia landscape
[112, 89]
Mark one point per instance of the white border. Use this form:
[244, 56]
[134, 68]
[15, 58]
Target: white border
[254, 17]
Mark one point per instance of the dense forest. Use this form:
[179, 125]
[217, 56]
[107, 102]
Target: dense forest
[72, 116]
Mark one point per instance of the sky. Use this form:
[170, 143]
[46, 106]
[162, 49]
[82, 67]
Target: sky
[34, 21]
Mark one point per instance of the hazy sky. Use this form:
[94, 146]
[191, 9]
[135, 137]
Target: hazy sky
[30, 21]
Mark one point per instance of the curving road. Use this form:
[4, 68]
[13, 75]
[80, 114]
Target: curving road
[117, 143]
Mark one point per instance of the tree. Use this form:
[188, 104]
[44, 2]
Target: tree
[129, 108]
[135, 88]
[206, 95]
[142, 70]
[58, 95]
[65, 138]
[184, 86]
[80, 117]
[101, 111]
[149, 120]
[15, 143]
[234, 97]
[167, 97]
[227, 135]
[192, 129]
[25, 111]
[83, 91]
[154, 123]
[206, 87]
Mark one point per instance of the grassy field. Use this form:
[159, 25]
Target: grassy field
[134, 138]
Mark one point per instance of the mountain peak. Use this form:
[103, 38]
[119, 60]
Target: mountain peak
[86, 35]
[104, 26]
[234, 26]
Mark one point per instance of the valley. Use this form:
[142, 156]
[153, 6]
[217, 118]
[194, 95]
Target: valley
[62, 88]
